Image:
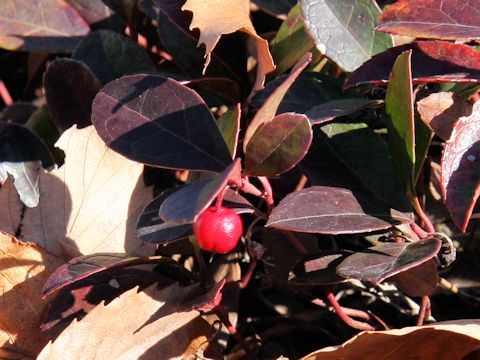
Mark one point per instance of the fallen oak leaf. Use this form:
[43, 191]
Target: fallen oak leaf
[24, 268]
[137, 335]
[215, 18]
[91, 203]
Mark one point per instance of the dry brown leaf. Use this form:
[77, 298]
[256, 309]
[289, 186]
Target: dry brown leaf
[446, 340]
[24, 268]
[90, 204]
[215, 18]
[10, 209]
[136, 325]
[441, 110]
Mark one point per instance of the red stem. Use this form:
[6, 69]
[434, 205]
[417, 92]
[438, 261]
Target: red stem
[222, 314]
[220, 198]
[422, 234]
[424, 312]
[359, 325]
[5, 94]
[425, 219]
[268, 192]
[348, 311]
[248, 275]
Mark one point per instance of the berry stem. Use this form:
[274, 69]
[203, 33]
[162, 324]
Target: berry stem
[220, 198]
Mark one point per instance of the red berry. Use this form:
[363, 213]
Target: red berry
[218, 229]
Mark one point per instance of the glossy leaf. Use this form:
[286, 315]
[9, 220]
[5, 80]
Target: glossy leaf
[330, 210]
[216, 18]
[401, 122]
[152, 228]
[336, 108]
[44, 25]
[438, 19]
[432, 61]
[354, 157]
[440, 111]
[377, 263]
[184, 205]
[229, 125]
[290, 42]
[110, 55]
[70, 88]
[422, 280]
[159, 122]
[343, 30]
[22, 155]
[459, 339]
[320, 270]
[181, 43]
[278, 145]
[309, 89]
[461, 168]
[279, 8]
[270, 106]
[82, 267]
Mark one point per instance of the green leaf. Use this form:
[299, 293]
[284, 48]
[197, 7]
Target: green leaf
[343, 30]
[229, 125]
[401, 122]
[290, 42]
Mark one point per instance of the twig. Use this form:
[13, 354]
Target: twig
[359, 325]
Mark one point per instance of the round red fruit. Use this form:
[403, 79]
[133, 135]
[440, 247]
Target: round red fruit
[218, 229]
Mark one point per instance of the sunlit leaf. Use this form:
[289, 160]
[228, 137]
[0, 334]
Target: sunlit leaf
[461, 168]
[157, 121]
[229, 125]
[343, 30]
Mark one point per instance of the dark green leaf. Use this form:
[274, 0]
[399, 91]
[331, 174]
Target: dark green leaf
[159, 122]
[336, 108]
[278, 145]
[229, 125]
[110, 55]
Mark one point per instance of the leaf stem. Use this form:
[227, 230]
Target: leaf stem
[268, 192]
[425, 219]
[359, 325]
[222, 314]
[5, 94]
[424, 312]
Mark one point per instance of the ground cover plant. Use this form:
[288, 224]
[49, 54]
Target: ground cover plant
[239, 179]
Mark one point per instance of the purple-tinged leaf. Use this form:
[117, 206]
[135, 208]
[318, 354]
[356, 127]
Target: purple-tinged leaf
[22, 154]
[460, 177]
[309, 90]
[290, 42]
[438, 19]
[336, 108]
[153, 229]
[229, 124]
[343, 30]
[224, 88]
[330, 210]
[78, 299]
[352, 156]
[377, 263]
[432, 61]
[97, 15]
[184, 205]
[320, 270]
[118, 56]
[278, 145]
[42, 25]
[123, 8]
[269, 108]
[70, 88]
[159, 122]
[401, 123]
[422, 280]
[440, 111]
[82, 267]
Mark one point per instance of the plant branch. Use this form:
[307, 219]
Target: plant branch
[359, 325]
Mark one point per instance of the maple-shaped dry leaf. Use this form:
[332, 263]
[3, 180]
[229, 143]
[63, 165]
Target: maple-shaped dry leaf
[136, 325]
[215, 18]
[440, 111]
[91, 203]
[458, 339]
[24, 268]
